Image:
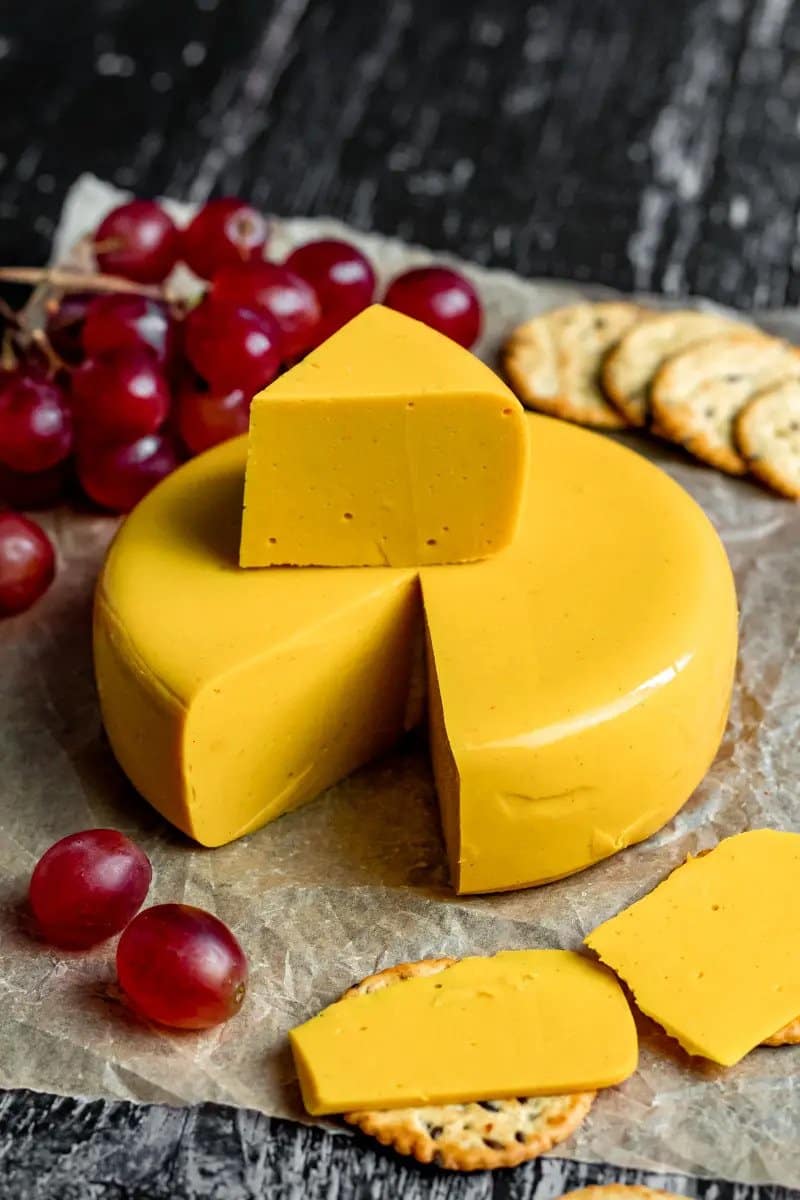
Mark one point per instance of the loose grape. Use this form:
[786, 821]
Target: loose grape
[35, 422]
[224, 231]
[182, 967]
[206, 418]
[283, 294]
[27, 562]
[440, 298]
[231, 346]
[341, 276]
[64, 327]
[119, 396]
[121, 322]
[118, 475]
[138, 241]
[87, 886]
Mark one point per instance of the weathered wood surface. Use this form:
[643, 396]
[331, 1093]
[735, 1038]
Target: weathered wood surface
[625, 141]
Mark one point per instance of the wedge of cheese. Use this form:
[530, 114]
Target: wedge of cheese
[389, 445]
[578, 682]
[522, 1023]
[231, 696]
[711, 954]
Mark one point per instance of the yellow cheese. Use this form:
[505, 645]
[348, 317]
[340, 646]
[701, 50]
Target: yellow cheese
[230, 696]
[578, 681]
[523, 1023]
[390, 445]
[712, 953]
[581, 680]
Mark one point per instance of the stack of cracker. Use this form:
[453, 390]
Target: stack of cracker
[724, 390]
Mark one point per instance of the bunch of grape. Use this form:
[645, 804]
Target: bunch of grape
[125, 384]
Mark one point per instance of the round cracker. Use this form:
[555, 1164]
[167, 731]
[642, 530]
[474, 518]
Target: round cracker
[696, 395]
[629, 367]
[767, 433]
[553, 361]
[788, 1036]
[621, 1191]
[468, 1137]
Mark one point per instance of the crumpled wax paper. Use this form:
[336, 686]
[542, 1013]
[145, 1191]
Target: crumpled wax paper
[357, 880]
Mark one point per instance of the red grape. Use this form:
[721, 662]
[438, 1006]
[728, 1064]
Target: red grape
[121, 322]
[37, 489]
[138, 241]
[182, 967]
[283, 294]
[340, 275]
[440, 298]
[27, 562]
[87, 886]
[206, 418]
[224, 231]
[232, 347]
[119, 396]
[119, 474]
[64, 326]
[35, 422]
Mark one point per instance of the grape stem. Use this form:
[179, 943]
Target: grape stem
[78, 281]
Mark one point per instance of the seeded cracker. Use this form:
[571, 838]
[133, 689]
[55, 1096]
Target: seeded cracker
[768, 436]
[469, 1137]
[629, 367]
[553, 361]
[789, 1035]
[697, 394]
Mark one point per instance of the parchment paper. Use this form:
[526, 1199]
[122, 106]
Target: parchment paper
[357, 879]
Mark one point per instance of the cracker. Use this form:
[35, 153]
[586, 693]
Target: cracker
[621, 1191]
[468, 1137]
[696, 395]
[553, 361]
[629, 367]
[789, 1035]
[767, 432]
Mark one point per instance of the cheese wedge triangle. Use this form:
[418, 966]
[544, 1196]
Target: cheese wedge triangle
[389, 445]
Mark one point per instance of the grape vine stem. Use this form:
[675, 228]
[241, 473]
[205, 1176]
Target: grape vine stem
[70, 281]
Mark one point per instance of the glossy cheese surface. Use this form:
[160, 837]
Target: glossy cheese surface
[580, 680]
[711, 953]
[522, 1023]
[230, 696]
[389, 445]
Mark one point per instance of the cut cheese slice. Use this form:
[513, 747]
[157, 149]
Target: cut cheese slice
[231, 696]
[580, 682]
[523, 1023]
[711, 954]
[390, 445]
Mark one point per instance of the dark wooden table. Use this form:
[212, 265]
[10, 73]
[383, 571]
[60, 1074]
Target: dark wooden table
[630, 142]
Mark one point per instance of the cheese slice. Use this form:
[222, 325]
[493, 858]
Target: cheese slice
[523, 1023]
[390, 445]
[231, 696]
[580, 681]
[711, 954]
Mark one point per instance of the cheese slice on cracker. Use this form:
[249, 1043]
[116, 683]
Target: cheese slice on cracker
[521, 1023]
[711, 953]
